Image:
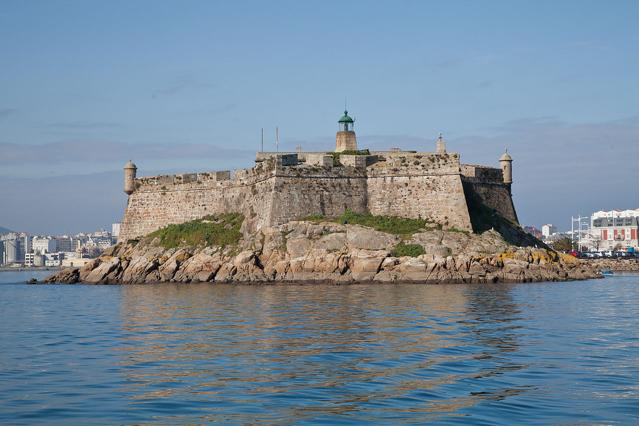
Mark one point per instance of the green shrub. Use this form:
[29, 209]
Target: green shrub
[390, 224]
[412, 250]
[355, 152]
[222, 230]
[314, 218]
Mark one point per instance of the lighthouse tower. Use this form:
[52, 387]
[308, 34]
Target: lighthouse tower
[345, 139]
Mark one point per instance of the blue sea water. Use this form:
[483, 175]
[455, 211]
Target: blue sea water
[549, 353]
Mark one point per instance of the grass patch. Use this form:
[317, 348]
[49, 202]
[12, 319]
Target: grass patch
[403, 249]
[355, 152]
[222, 230]
[314, 218]
[389, 224]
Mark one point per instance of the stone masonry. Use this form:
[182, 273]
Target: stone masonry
[286, 186]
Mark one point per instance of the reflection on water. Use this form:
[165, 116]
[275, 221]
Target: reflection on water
[395, 354]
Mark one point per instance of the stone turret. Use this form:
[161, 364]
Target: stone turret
[345, 139]
[506, 163]
[130, 169]
[441, 145]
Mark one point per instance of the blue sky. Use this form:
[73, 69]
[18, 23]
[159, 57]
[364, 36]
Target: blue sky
[185, 86]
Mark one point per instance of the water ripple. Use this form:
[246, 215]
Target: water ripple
[384, 354]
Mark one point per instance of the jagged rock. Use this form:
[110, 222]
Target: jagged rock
[68, 276]
[364, 264]
[304, 251]
[298, 246]
[331, 242]
[358, 237]
[225, 273]
[169, 267]
[413, 269]
[100, 273]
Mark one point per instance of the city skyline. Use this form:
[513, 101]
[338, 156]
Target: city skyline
[88, 86]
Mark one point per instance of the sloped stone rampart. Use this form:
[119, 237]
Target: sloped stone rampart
[280, 189]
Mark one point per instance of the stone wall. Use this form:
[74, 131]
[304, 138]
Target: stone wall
[329, 191]
[275, 191]
[279, 189]
[417, 185]
[486, 185]
[162, 200]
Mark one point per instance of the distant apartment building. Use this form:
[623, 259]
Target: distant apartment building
[15, 247]
[115, 231]
[548, 229]
[615, 229]
[53, 259]
[12, 251]
[33, 259]
[27, 244]
[66, 244]
[41, 245]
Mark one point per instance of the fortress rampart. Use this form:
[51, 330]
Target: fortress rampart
[286, 186]
[486, 185]
[281, 188]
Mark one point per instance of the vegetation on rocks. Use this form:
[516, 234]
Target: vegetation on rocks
[321, 252]
[222, 230]
[403, 249]
[562, 244]
[389, 224]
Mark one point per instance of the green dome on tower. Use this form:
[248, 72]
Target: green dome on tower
[345, 118]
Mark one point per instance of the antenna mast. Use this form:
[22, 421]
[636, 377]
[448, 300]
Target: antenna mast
[277, 139]
[262, 145]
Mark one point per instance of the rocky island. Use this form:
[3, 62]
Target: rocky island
[318, 250]
[348, 215]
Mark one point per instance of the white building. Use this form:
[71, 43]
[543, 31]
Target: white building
[615, 229]
[548, 229]
[75, 262]
[53, 259]
[33, 259]
[115, 231]
[41, 245]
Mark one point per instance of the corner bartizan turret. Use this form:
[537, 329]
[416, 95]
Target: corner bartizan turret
[345, 139]
[506, 163]
[130, 170]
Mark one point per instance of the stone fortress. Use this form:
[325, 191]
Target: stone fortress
[285, 186]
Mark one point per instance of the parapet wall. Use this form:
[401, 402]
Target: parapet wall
[482, 174]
